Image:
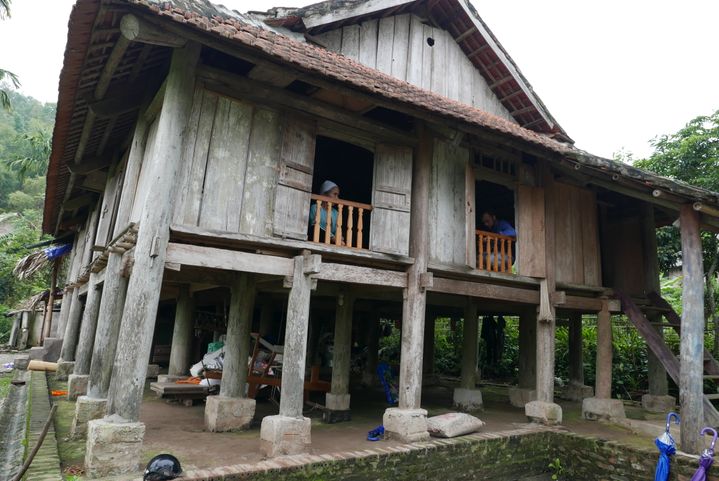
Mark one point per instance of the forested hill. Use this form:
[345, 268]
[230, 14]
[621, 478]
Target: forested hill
[25, 134]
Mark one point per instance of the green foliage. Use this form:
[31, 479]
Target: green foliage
[557, 469]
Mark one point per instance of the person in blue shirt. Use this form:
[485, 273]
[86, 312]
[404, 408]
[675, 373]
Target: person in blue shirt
[329, 189]
[502, 227]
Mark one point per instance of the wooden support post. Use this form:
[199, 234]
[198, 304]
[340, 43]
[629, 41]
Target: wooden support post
[691, 349]
[415, 298]
[338, 399]
[408, 422]
[603, 388]
[370, 373]
[528, 349]
[47, 320]
[182, 333]
[85, 343]
[470, 339]
[143, 292]
[72, 328]
[295, 353]
[108, 328]
[658, 384]
[576, 363]
[234, 373]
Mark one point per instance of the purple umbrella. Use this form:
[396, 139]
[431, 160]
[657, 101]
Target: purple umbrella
[707, 457]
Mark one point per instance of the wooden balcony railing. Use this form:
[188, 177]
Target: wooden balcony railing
[494, 252]
[350, 222]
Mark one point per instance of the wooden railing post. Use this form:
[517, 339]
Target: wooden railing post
[497, 249]
[345, 235]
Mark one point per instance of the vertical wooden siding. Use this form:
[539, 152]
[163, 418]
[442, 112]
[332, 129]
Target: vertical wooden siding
[577, 256]
[397, 45]
[448, 205]
[233, 157]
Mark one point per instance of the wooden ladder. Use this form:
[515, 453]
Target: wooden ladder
[662, 351]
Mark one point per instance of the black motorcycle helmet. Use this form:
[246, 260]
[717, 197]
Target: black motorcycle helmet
[162, 468]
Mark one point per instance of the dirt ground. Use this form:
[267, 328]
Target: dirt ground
[176, 429]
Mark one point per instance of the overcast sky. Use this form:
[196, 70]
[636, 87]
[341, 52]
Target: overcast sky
[614, 73]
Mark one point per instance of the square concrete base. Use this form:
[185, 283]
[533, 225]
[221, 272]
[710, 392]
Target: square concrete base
[113, 448]
[337, 402]
[283, 435]
[52, 346]
[405, 425]
[153, 370]
[76, 386]
[577, 392]
[520, 396]
[658, 404]
[21, 362]
[543, 412]
[168, 378]
[64, 369]
[37, 353]
[228, 413]
[467, 400]
[86, 409]
[595, 409]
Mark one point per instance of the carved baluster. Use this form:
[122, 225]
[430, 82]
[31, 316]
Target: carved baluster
[480, 248]
[509, 256]
[338, 234]
[503, 259]
[350, 225]
[328, 223]
[360, 223]
[495, 251]
[318, 213]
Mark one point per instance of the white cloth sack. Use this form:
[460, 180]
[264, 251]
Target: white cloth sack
[451, 425]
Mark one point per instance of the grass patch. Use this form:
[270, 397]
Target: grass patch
[5, 385]
[71, 451]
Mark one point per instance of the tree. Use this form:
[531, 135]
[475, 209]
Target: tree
[5, 74]
[691, 155]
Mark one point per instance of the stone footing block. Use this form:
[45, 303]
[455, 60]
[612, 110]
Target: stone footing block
[284, 435]
[168, 378]
[577, 392]
[37, 353]
[52, 346]
[658, 404]
[520, 396]
[595, 409]
[543, 412]
[331, 416]
[64, 369]
[467, 400]
[224, 413]
[113, 448]
[21, 362]
[153, 370]
[86, 409]
[76, 386]
[406, 425]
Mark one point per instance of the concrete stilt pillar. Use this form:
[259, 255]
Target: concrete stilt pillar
[289, 432]
[526, 390]
[408, 422]
[467, 397]
[369, 376]
[576, 390]
[338, 399]
[77, 381]
[232, 410]
[58, 328]
[181, 348]
[114, 443]
[602, 406]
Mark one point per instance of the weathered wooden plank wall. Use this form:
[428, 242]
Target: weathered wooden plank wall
[577, 256]
[622, 246]
[398, 46]
[232, 148]
[447, 204]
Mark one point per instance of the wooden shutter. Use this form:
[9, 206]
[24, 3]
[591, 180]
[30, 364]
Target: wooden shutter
[391, 199]
[531, 253]
[450, 203]
[292, 199]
